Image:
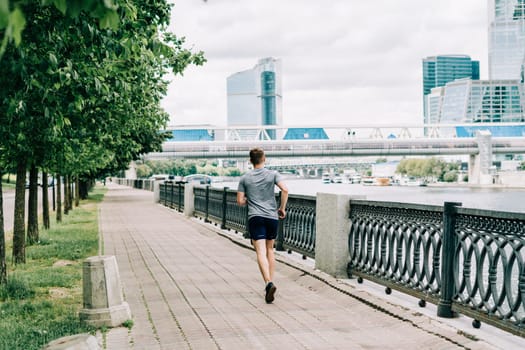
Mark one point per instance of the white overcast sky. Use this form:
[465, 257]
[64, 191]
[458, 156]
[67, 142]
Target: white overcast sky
[344, 61]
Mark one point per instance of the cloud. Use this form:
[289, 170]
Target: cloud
[343, 60]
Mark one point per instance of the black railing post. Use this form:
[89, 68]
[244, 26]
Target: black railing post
[207, 203]
[171, 194]
[279, 242]
[179, 184]
[444, 308]
[224, 207]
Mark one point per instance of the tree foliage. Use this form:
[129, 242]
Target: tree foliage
[430, 168]
[13, 17]
[81, 96]
[182, 167]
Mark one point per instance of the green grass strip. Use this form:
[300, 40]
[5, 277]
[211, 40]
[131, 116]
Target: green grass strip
[42, 298]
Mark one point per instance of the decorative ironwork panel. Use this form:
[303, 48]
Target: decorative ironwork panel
[490, 265]
[163, 194]
[199, 193]
[236, 216]
[397, 244]
[299, 225]
[171, 194]
[178, 195]
[215, 205]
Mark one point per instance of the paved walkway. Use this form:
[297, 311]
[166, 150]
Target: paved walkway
[189, 287]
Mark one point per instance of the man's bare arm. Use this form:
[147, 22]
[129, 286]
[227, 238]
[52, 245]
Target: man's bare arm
[284, 199]
[241, 198]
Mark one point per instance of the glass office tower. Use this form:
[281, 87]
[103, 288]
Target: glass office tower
[439, 70]
[476, 101]
[255, 98]
[506, 38]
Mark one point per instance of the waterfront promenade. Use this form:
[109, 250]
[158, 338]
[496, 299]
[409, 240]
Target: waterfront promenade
[190, 286]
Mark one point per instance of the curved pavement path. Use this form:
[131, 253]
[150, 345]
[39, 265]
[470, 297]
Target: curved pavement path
[189, 287]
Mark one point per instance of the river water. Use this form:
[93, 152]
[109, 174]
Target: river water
[501, 199]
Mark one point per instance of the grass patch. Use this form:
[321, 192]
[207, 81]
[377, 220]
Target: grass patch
[42, 298]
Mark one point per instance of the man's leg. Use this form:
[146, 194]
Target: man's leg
[262, 259]
[270, 257]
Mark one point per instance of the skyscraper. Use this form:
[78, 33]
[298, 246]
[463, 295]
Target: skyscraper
[506, 38]
[476, 101]
[255, 97]
[439, 70]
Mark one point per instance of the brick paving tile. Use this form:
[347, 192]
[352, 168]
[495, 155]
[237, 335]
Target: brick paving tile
[191, 288]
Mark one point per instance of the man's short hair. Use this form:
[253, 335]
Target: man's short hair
[256, 155]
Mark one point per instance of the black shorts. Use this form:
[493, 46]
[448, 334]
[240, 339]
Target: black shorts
[262, 228]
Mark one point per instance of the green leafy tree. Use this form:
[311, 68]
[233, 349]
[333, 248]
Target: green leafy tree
[81, 101]
[450, 176]
[143, 171]
[427, 168]
[13, 15]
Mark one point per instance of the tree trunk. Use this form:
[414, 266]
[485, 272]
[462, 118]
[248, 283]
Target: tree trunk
[77, 191]
[32, 208]
[45, 201]
[19, 229]
[3, 266]
[83, 189]
[58, 187]
[66, 195]
[70, 192]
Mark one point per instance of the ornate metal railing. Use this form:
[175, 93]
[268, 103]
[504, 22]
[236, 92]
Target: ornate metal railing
[296, 232]
[489, 267]
[298, 229]
[397, 245]
[463, 260]
[172, 194]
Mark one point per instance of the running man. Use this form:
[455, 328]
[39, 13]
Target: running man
[257, 189]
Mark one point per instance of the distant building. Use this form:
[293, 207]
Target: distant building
[506, 45]
[439, 70]
[305, 134]
[476, 101]
[192, 135]
[255, 97]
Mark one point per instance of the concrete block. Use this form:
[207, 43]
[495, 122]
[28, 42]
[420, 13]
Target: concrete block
[74, 342]
[332, 229]
[156, 191]
[189, 200]
[104, 303]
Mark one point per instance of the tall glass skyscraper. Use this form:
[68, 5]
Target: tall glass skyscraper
[439, 70]
[476, 101]
[255, 97]
[506, 38]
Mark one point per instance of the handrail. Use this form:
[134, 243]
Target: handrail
[298, 228]
[464, 260]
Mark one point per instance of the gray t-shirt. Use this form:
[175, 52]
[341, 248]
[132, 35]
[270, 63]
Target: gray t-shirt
[259, 187]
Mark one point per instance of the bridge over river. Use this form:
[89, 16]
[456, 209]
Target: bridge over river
[480, 148]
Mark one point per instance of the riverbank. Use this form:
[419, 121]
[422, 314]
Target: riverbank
[467, 185]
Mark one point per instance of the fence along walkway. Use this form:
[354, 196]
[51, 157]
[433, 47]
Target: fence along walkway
[190, 288]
